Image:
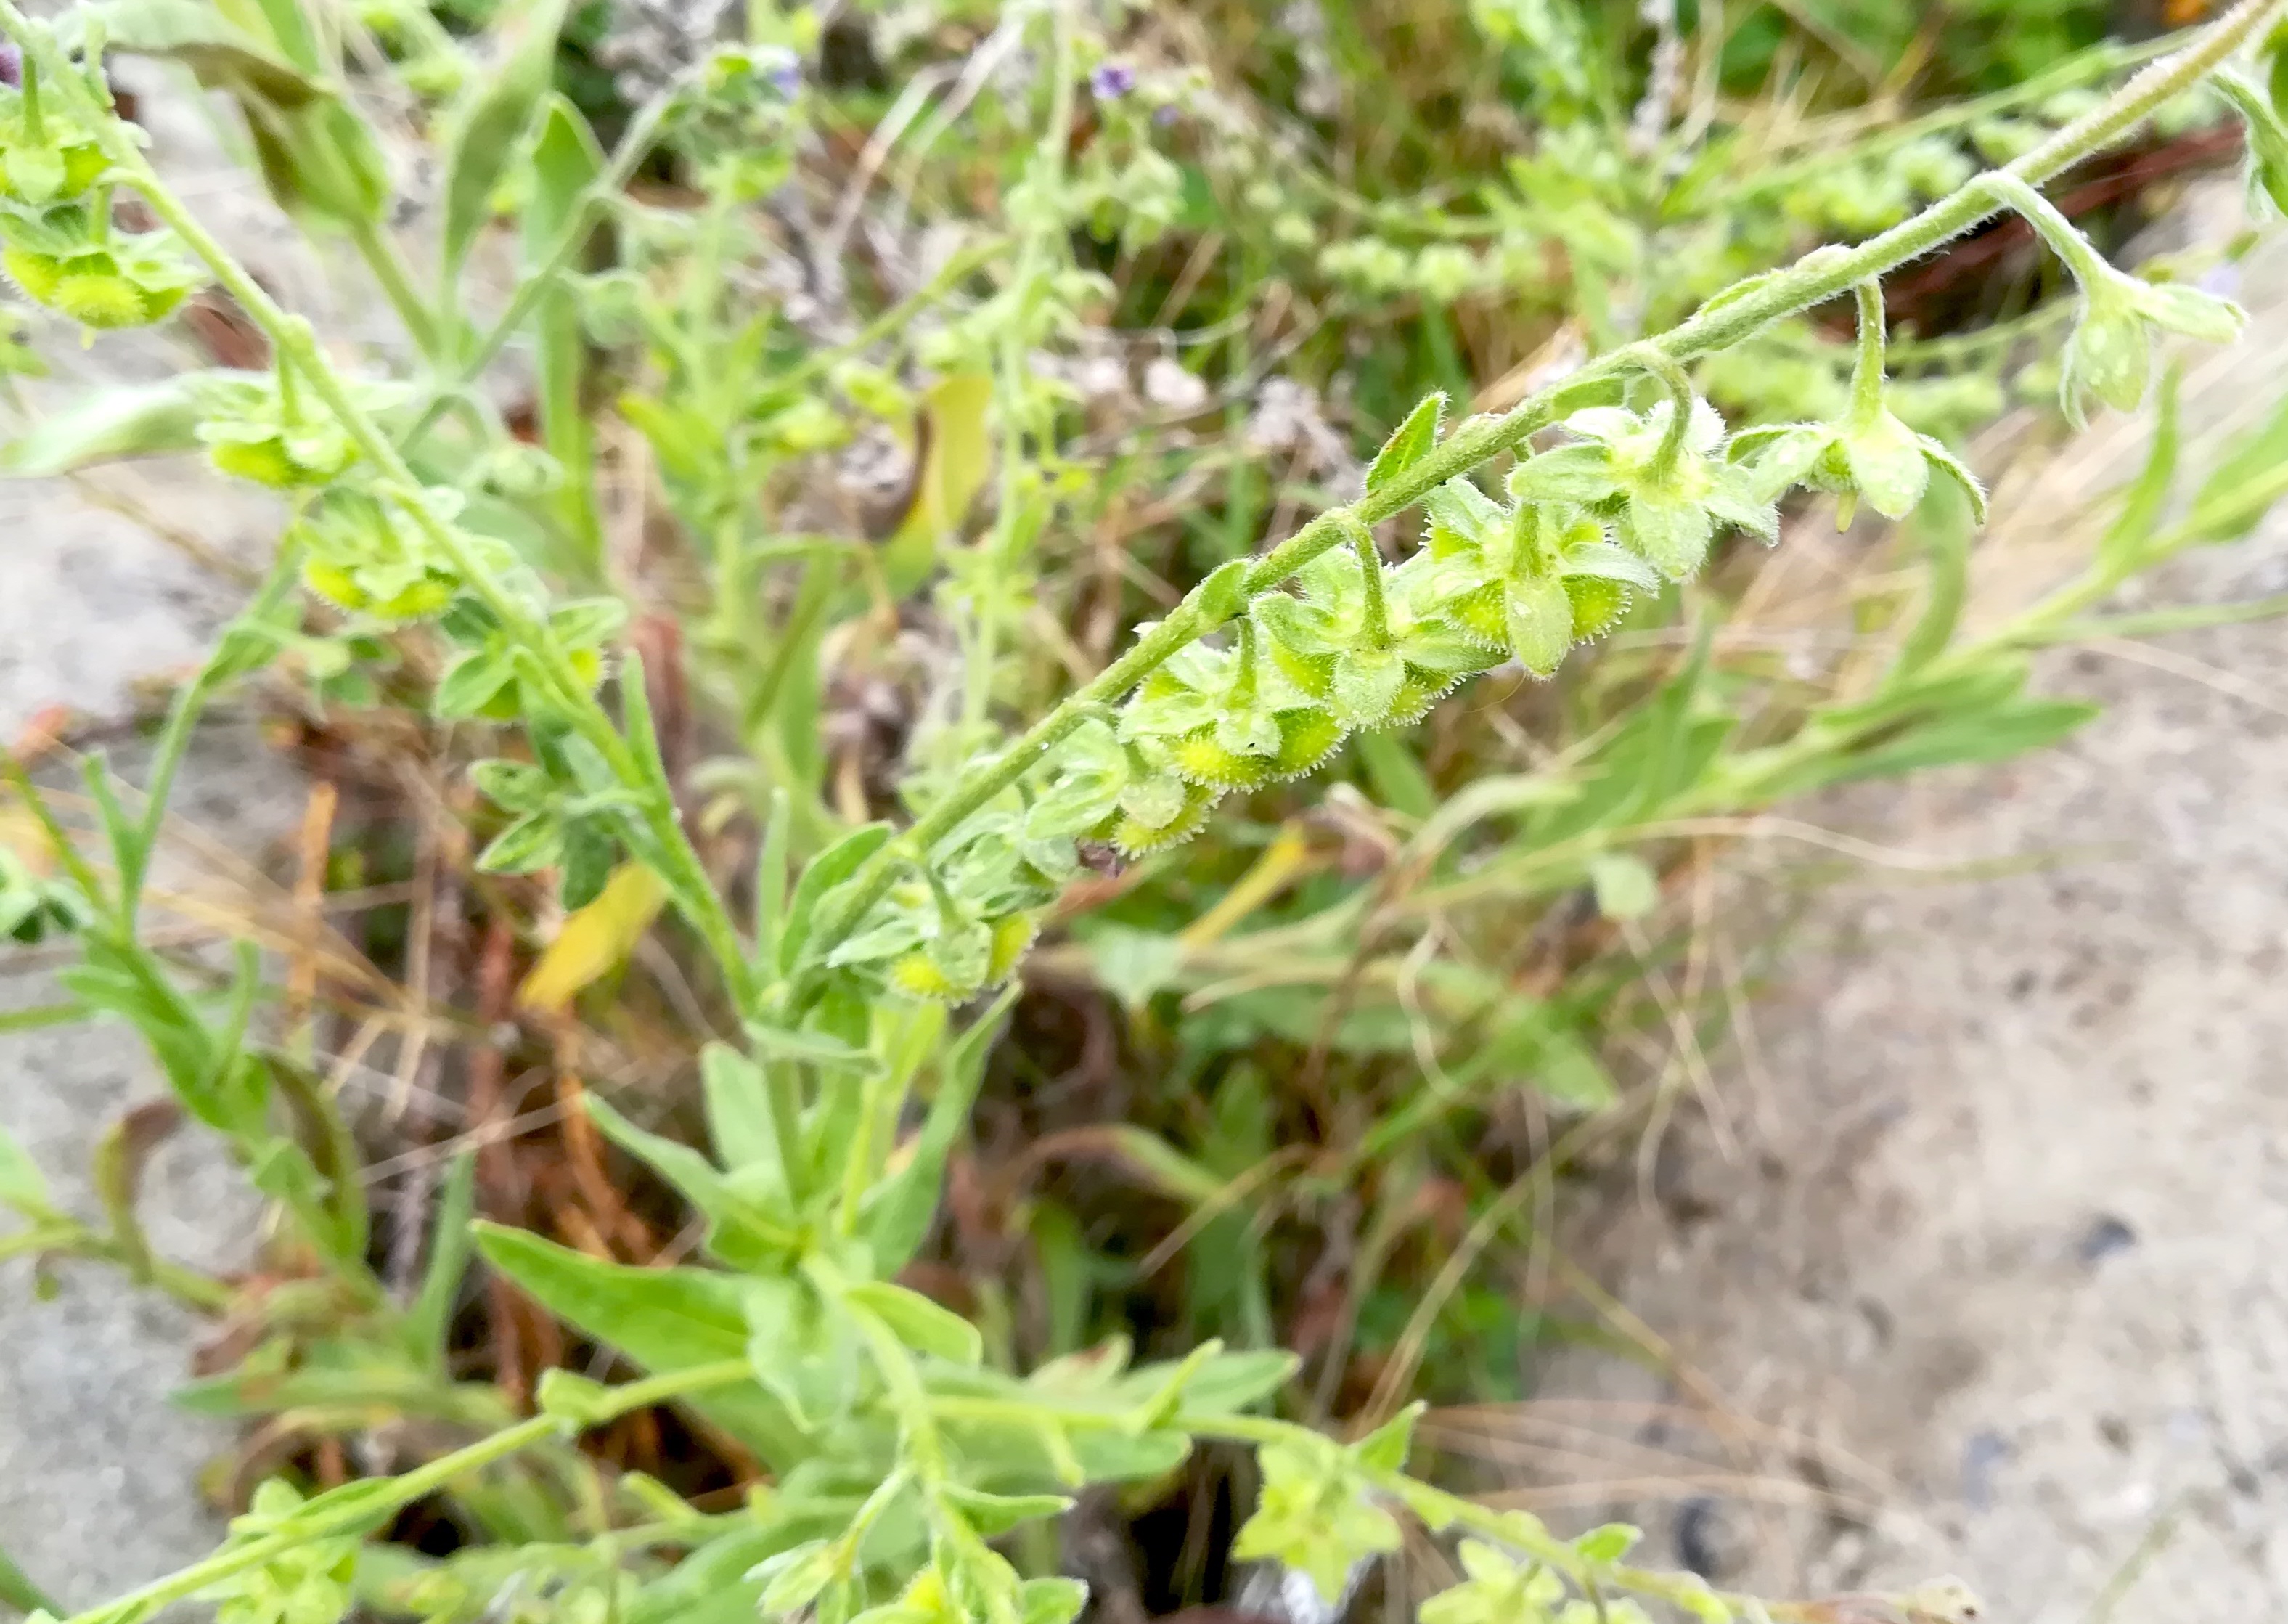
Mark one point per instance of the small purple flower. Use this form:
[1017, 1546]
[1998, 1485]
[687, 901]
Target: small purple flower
[775, 65]
[1112, 80]
[12, 67]
[1165, 114]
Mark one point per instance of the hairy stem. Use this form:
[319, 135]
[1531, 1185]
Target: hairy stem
[1681, 399]
[1817, 277]
[377, 1497]
[1867, 375]
[1377, 618]
[1029, 282]
[686, 877]
[379, 252]
[189, 704]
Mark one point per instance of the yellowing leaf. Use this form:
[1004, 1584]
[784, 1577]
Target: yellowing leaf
[22, 835]
[957, 456]
[595, 940]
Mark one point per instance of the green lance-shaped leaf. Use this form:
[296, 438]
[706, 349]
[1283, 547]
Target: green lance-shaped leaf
[487, 129]
[664, 1319]
[108, 424]
[203, 37]
[22, 1186]
[1409, 443]
[2264, 160]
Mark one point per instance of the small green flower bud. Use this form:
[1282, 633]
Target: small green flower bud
[1597, 604]
[1135, 836]
[1886, 464]
[2109, 356]
[1540, 623]
[37, 274]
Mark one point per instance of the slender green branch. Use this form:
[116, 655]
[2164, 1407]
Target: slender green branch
[957, 269]
[2154, 623]
[1817, 277]
[379, 252]
[925, 1445]
[1019, 419]
[1377, 618]
[1681, 397]
[59, 841]
[56, 1235]
[377, 1497]
[43, 1015]
[1867, 374]
[2049, 222]
[684, 874]
[189, 704]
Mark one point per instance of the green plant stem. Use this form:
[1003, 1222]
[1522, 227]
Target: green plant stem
[189, 704]
[43, 1015]
[67, 853]
[951, 274]
[1376, 617]
[1681, 399]
[1027, 283]
[1867, 374]
[379, 252]
[916, 1421]
[59, 1236]
[1519, 1531]
[2049, 222]
[1817, 277]
[2155, 623]
[686, 877]
[377, 1497]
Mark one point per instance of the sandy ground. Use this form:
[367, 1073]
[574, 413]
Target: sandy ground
[98, 1473]
[1989, 1266]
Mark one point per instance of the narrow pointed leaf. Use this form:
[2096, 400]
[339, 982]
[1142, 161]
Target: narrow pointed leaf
[1409, 443]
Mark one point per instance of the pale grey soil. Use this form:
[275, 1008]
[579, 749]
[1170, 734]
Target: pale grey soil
[98, 1473]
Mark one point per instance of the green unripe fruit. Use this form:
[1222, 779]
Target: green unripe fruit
[1201, 760]
[266, 462]
[1598, 604]
[1483, 616]
[1135, 838]
[98, 298]
[1313, 674]
[916, 975]
[1012, 934]
[1540, 623]
[1306, 739]
[37, 274]
[339, 587]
